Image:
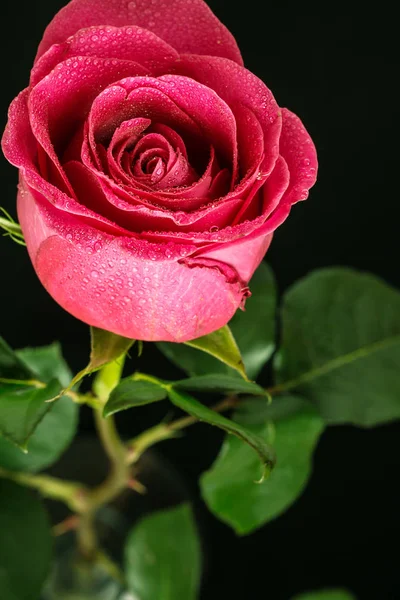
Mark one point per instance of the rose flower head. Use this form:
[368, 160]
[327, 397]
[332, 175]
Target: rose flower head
[154, 168]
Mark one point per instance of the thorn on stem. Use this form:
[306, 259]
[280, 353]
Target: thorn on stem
[136, 486]
[69, 524]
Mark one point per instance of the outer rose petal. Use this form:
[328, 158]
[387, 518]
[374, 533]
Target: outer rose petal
[61, 101]
[298, 150]
[125, 43]
[18, 142]
[189, 26]
[132, 288]
[238, 86]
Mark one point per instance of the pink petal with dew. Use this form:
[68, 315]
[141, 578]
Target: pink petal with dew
[20, 148]
[298, 150]
[127, 286]
[238, 86]
[59, 104]
[188, 25]
[140, 218]
[125, 43]
[188, 102]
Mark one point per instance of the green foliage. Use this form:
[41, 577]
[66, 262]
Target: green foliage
[130, 393]
[11, 366]
[221, 345]
[341, 346]
[106, 347]
[142, 389]
[49, 440]
[336, 594]
[22, 408]
[228, 488]
[162, 556]
[219, 382]
[11, 227]
[25, 543]
[203, 413]
[46, 363]
[53, 426]
[253, 330]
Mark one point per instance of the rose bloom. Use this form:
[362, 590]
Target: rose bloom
[154, 167]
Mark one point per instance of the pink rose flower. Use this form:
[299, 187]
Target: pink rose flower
[154, 167]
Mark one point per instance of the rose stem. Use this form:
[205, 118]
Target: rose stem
[119, 476]
[165, 431]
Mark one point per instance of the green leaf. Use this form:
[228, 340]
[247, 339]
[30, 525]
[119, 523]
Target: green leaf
[341, 346]
[228, 487]
[51, 437]
[106, 347]
[336, 594]
[163, 558]
[5, 587]
[25, 543]
[203, 413]
[221, 345]
[58, 427]
[22, 408]
[253, 330]
[47, 363]
[11, 367]
[11, 228]
[130, 393]
[219, 382]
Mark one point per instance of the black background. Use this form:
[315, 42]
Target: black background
[335, 67]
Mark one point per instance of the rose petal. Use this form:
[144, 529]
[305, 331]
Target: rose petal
[250, 138]
[176, 101]
[20, 148]
[243, 255]
[298, 150]
[61, 101]
[18, 142]
[127, 133]
[130, 287]
[188, 25]
[115, 105]
[237, 86]
[143, 218]
[275, 187]
[271, 190]
[125, 43]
